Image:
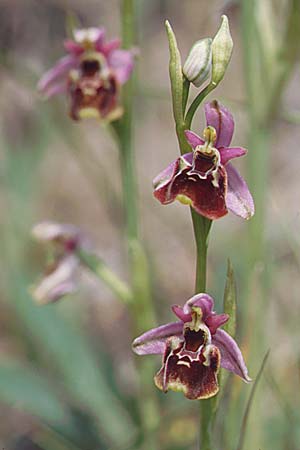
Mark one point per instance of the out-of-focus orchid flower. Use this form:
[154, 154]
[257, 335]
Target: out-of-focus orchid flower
[193, 349]
[61, 275]
[92, 74]
[204, 178]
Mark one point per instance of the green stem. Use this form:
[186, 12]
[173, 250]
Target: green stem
[141, 307]
[96, 265]
[202, 228]
[195, 105]
[257, 177]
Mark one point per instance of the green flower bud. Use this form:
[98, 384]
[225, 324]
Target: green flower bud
[221, 51]
[198, 63]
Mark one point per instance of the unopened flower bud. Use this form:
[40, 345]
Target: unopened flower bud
[198, 63]
[221, 51]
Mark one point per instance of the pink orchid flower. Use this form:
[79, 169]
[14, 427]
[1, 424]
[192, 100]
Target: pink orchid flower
[204, 178]
[91, 74]
[61, 275]
[193, 350]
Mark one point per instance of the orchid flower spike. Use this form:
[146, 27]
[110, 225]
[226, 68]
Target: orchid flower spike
[61, 275]
[91, 74]
[204, 178]
[193, 350]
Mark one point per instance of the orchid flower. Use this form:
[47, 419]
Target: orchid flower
[193, 349]
[61, 275]
[92, 73]
[204, 178]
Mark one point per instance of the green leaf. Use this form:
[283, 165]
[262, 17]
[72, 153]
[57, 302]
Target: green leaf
[72, 355]
[230, 300]
[24, 388]
[240, 445]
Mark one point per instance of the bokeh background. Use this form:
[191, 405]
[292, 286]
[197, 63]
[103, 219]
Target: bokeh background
[67, 376]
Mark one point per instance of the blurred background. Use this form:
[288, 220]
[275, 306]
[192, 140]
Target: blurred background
[67, 376]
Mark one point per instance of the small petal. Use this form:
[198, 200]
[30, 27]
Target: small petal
[110, 46]
[73, 47]
[228, 153]
[215, 321]
[57, 74]
[121, 62]
[231, 356]
[154, 341]
[221, 119]
[238, 199]
[179, 312]
[193, 139]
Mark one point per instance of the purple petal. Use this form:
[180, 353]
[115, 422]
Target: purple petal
[55, 76]
[121, 62]
[73, 47]
[110, 46]
[221, 119]
[178, 311]
[204, 301]
[231, 356]
[238, 199]
[153, 342]
[215, 321]
[193, 139]
[228, 153]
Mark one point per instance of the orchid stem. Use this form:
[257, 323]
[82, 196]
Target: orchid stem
[98, 267]
[141, 310]
[202, 227]
[196, 103]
